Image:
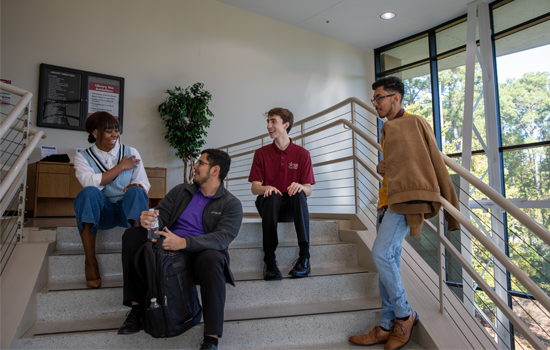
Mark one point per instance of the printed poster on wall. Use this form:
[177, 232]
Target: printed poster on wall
[62, 99]
[103, 97]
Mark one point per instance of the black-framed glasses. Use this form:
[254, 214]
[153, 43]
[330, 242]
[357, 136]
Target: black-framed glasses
[379, 98]
[200, 162]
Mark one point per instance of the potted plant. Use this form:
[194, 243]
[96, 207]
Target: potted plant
[185, 114]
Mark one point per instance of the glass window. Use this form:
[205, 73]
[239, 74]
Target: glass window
[517, 12]
[404, 54]
[527, 174]
[452, 84]
[452, 37]
[524, 85]
[418, 91]
[529, 252]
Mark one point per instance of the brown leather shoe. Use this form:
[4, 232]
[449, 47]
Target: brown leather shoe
[402, 332]
[376, 336]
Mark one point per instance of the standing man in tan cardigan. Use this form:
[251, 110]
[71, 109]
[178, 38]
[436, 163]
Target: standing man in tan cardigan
[414, 180]
[397, 317]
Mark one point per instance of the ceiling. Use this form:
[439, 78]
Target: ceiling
[358, 22]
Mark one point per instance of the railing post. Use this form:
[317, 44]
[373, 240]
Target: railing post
[302, 128]
[227, 181]
[355, 164]
[442, 270]
[23, 186]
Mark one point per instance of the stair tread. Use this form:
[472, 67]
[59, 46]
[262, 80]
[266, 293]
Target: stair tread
[117, 250]
[110, 323]
[70, 268]
[239, 276]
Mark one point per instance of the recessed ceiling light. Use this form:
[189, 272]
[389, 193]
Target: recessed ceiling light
[387, 15]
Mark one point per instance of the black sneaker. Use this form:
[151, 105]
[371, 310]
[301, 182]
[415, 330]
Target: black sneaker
[301, 267]
[133, 323]
[271, 271]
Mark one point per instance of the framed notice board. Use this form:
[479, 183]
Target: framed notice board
[66, 97]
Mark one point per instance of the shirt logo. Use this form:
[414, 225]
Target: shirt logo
[293, 166]
[216, 212]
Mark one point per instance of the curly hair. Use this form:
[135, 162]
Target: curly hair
[391, 84]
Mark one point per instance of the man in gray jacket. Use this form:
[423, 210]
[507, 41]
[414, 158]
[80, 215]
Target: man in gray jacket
[201, 220]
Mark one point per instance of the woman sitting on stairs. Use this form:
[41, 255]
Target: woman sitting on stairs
[115, 187]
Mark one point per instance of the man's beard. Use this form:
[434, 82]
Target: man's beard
[386, 116]
[202, 181]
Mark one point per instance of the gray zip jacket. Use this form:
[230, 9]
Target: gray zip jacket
[221, 219]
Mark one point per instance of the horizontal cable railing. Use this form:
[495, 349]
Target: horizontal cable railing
[17, 141]
[344, 160]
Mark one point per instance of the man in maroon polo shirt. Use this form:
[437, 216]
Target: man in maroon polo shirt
[281, 177]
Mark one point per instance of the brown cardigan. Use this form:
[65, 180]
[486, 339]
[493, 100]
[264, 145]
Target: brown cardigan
[415, 172]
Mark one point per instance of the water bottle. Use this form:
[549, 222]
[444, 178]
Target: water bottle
[151, 231]
[154, 304]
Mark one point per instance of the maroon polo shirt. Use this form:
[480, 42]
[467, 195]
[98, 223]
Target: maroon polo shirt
[277, 168]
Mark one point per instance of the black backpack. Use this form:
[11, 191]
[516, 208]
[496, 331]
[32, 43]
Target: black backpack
[169, 278]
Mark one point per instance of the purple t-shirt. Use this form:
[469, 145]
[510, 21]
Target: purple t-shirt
[190, 221]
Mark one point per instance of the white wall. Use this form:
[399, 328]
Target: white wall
[248, 62]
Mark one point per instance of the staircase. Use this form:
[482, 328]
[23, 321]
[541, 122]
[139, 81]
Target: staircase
[339, 299]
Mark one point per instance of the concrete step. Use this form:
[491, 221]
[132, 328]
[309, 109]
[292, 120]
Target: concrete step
[245, 296]
[313, 331]
[111, 322]
[70, 268]
[321, 232]
[239, 276]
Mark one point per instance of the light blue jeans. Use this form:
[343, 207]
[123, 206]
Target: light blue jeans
[386, 253]
[91, 206]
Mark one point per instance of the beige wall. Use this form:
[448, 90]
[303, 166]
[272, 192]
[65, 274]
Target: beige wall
[249, 63]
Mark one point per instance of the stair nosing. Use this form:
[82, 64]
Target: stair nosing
[46, 289]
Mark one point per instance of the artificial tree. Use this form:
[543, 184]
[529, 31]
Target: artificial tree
[185, 114]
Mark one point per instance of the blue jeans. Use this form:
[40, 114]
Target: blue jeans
[386, 253]
[91, 206]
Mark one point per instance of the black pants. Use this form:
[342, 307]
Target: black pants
[285, 208]
[208, 268]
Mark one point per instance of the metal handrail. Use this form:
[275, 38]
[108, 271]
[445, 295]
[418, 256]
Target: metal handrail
[497, 198]
[18, 109]
[11, 123]
[539, 295]
[308, 119]
[497, 253]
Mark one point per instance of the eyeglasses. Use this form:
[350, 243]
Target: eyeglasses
[200, 162]
[379, 98]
